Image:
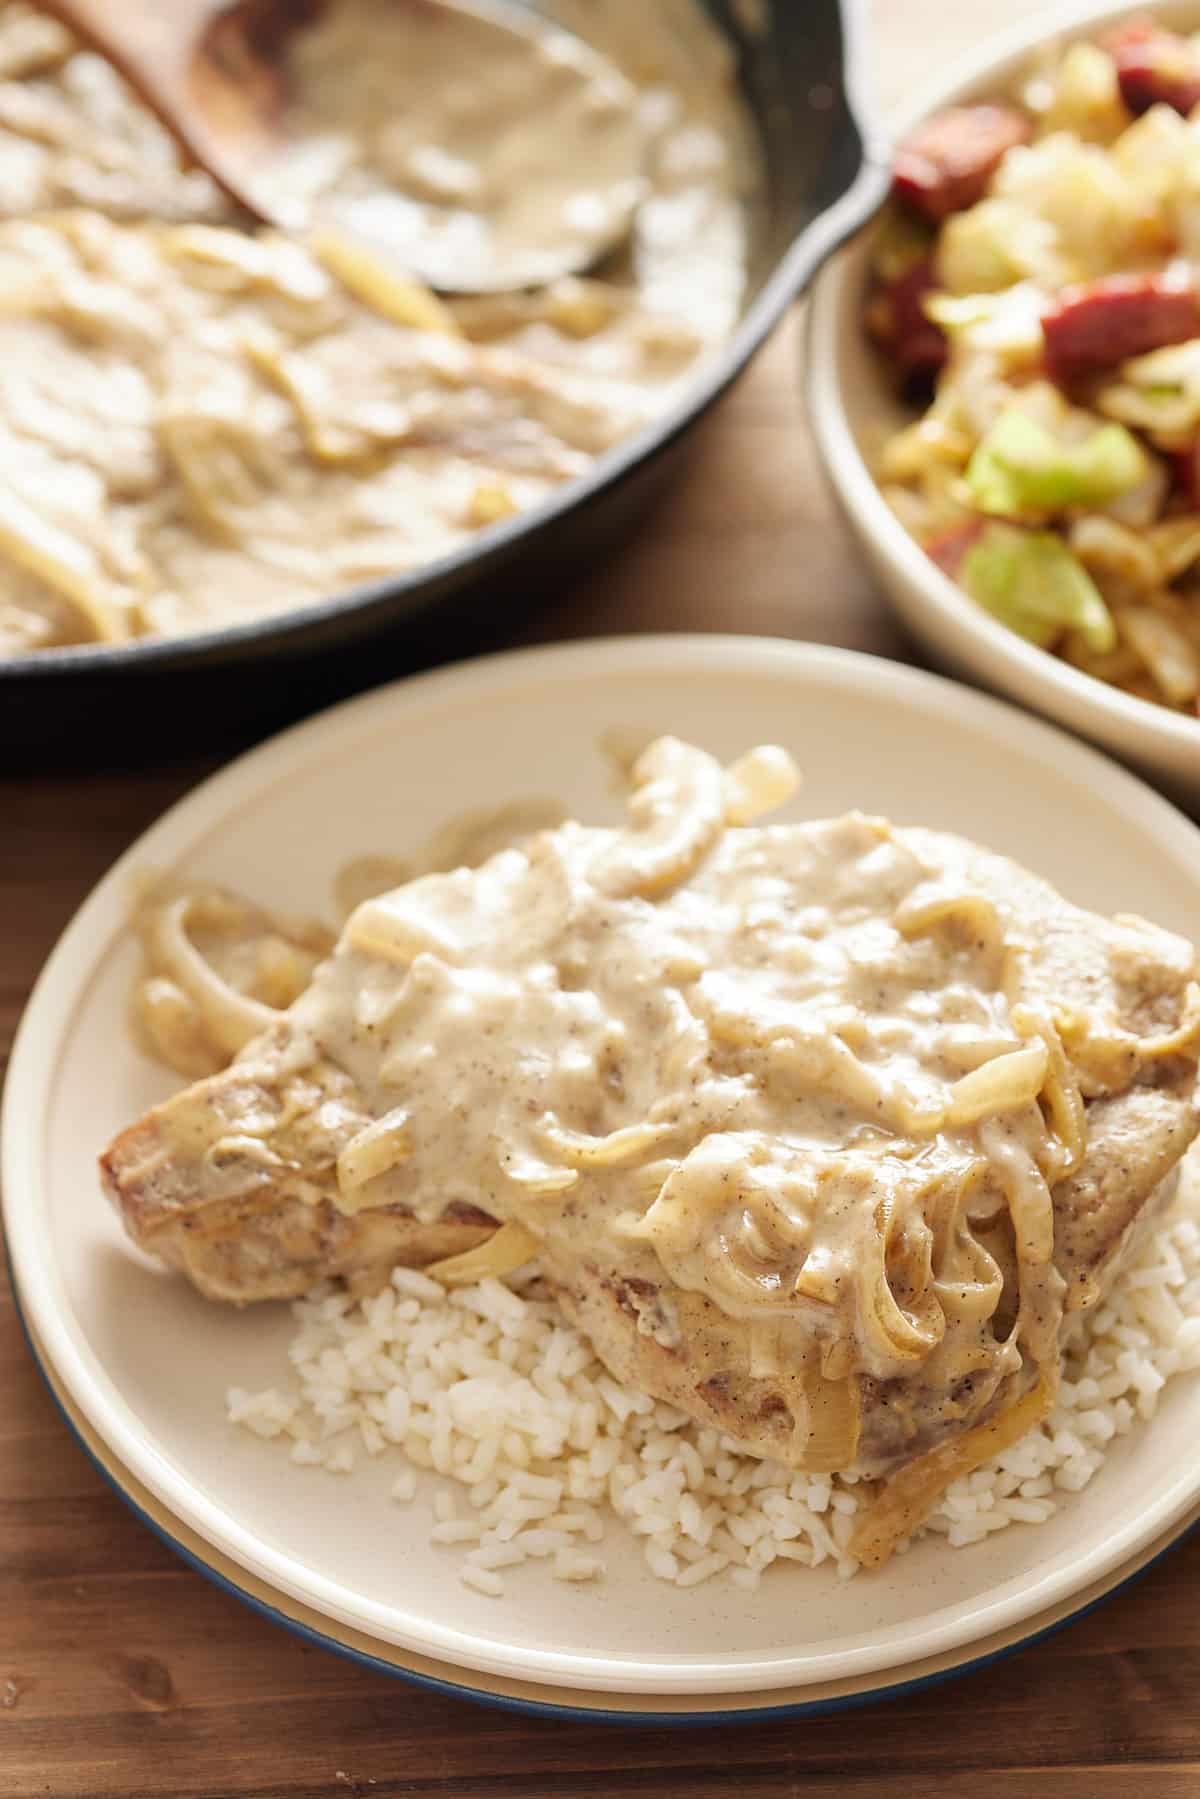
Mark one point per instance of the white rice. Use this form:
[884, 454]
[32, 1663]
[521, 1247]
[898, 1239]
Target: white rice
[540, 1447]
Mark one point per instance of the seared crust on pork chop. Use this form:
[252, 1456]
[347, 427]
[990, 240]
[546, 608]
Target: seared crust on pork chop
[233, 1182]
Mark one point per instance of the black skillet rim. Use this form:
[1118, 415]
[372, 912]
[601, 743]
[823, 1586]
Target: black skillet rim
[429, 583]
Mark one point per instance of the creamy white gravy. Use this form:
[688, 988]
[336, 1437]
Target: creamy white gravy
[780, 1110]
[207, 428]
[793, 1071]
[483, 153]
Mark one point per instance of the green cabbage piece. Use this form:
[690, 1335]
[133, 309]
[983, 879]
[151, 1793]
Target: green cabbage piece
[1019, 468]
[1032, 583]
[1158, 392]
[1008, 323]
[993, 244]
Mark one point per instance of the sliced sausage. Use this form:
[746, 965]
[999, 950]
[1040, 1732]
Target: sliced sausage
[913, 344]
[1185, 473]
[1155, 67]
[946, 163]
[1101, 323]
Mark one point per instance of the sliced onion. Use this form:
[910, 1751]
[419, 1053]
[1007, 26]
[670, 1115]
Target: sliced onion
[897, 1335]
[1060, 1090]
[758, 782]
[380, 1146]
[231, 1017]
[616, 1150]
[909, 1496]
[370, 279]
[677, 810]
[39, 545]
[834, 1422]
[510, 1248]
[1000, 1085]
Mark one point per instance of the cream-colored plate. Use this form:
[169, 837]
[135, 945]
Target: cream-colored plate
[520, 1695]
[144, 1363]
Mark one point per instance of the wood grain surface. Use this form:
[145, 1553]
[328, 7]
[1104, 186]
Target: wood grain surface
[123, 1673]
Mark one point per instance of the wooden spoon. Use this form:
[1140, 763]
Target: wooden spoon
[220, 119]
[216, 76]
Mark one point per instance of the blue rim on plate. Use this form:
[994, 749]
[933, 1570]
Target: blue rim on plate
[396, 1664]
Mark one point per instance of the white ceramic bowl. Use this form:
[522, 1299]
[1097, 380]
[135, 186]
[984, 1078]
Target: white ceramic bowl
[852, 407]
[142, 1363]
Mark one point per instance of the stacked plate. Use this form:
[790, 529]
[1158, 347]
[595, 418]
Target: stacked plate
[342, 1562]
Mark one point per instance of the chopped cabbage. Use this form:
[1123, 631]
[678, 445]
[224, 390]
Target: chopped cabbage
[1030, 581]
[1008, 323]
[1095, 212]
[1140, 506]
[1154, 151]
[994, 245]
[1164, 649]
[1159, 155]
[1084, 96]
[925, 445]
[1175, 543]
[1020, 468]
[1121, 557]
[1159, 393]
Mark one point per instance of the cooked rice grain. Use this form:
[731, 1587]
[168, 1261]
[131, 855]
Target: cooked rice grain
[492, 1389]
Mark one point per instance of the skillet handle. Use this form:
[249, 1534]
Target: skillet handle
[856, 140]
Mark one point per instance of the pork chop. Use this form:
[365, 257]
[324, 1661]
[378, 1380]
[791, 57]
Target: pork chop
[818, 1131]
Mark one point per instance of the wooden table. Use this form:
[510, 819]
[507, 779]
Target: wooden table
[122, 1673]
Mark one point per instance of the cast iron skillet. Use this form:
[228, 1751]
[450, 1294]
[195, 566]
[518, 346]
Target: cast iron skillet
[153, 700]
